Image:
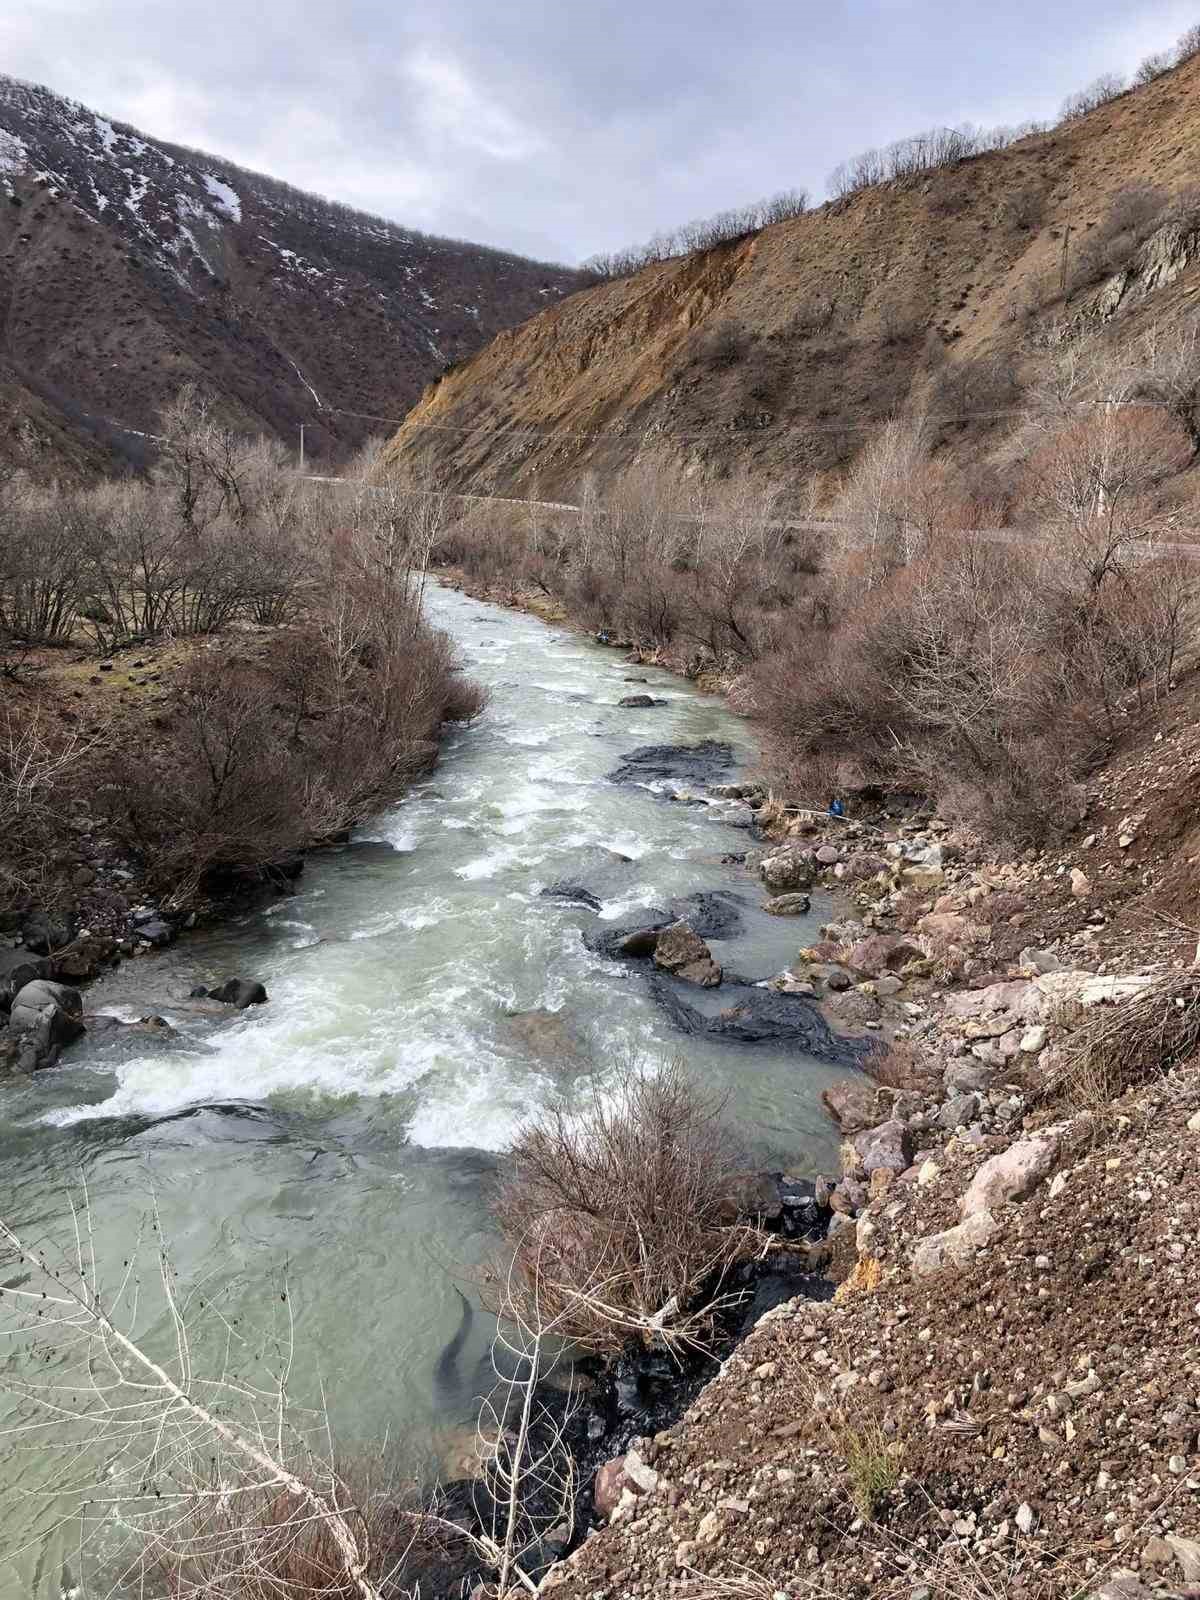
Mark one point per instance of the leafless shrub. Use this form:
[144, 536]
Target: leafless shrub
[725, 345]
[902, 1066]
[725, 227]
[1098, 93]
[1187, 45]
[1023, 209]
[617, 1218]
[1153, 66]
[1132, 217]
[40, 762]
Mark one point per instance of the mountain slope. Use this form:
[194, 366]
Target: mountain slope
[128, 266]
[780, 353]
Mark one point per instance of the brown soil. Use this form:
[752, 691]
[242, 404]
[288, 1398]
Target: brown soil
[919, 290]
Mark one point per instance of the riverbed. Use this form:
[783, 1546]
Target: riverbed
[426, 998]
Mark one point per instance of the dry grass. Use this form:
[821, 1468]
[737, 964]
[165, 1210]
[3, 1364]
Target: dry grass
[901, 1066]
[617, 1216]
[1119, 1048]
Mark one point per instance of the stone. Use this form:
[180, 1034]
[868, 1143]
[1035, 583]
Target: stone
[1081, 884]
[1026, 1518]
[1033, 1040]
[882, 952]
[157, 932]
[889, 1145]
[828, 855]
[45, 1016]
[685, 955]
[1194, 1123]
[607, 1487]
[954, 1246]
[1039, 961]
[958, 1112]
[753, 1195]
[1013, 1174]
[17, 968]
[45, 931]
[239, 993]
[638, 1474]
[968, 1076]
[788, 905]
[855, 1106]
[563, 889]
[636, 701]
[789, 870]
[1187, 1554]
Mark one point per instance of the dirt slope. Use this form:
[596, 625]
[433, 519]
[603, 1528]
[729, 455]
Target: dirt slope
[128, 266]
[784, 350]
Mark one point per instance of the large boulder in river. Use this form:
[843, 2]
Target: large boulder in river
[47, 931]
[703, 763]
[788, 905]
[684, 954]
[574, 892]
[239, 993]
[628, 940]
[636, 701]
[45, 1016]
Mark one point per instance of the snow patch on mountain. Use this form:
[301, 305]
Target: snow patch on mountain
[227, 199]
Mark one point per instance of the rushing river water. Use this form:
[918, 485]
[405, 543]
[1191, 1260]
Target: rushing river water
[424, 1000]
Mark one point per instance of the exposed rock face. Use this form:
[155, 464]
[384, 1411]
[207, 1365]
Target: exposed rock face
[684, 954]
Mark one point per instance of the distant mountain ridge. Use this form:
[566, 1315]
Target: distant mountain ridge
[129, 266]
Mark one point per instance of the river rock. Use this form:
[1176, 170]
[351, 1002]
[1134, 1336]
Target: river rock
[17, 968]
[789, 870]
[764, 1016]
[46, 931]
[712, 913]
[788, 905]
[702, 764]
[889, 1147]
[45, 1016]
[685, 955]
[856, 1106]
[575, 892]
[754, 1197]
[636, 701]
[239, 993]
[628, 940]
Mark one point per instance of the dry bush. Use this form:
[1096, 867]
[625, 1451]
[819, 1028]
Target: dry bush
[41, 763]
[1098, 93]
[1115, 1049]
[264, 757]
[261, 1542]
[1153, 66]
[617, 1217]
[902, 1066]
[1133, 215]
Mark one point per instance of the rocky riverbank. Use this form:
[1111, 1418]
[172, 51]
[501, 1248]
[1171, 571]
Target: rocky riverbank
[1003, 1395]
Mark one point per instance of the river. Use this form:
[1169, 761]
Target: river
[425, 998]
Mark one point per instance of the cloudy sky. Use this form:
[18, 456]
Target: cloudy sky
[560, 129]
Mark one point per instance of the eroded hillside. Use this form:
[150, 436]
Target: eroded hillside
[779, 353]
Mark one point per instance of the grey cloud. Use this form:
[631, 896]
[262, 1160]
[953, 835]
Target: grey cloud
[562, 129]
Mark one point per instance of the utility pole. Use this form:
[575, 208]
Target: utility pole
[301, 447]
